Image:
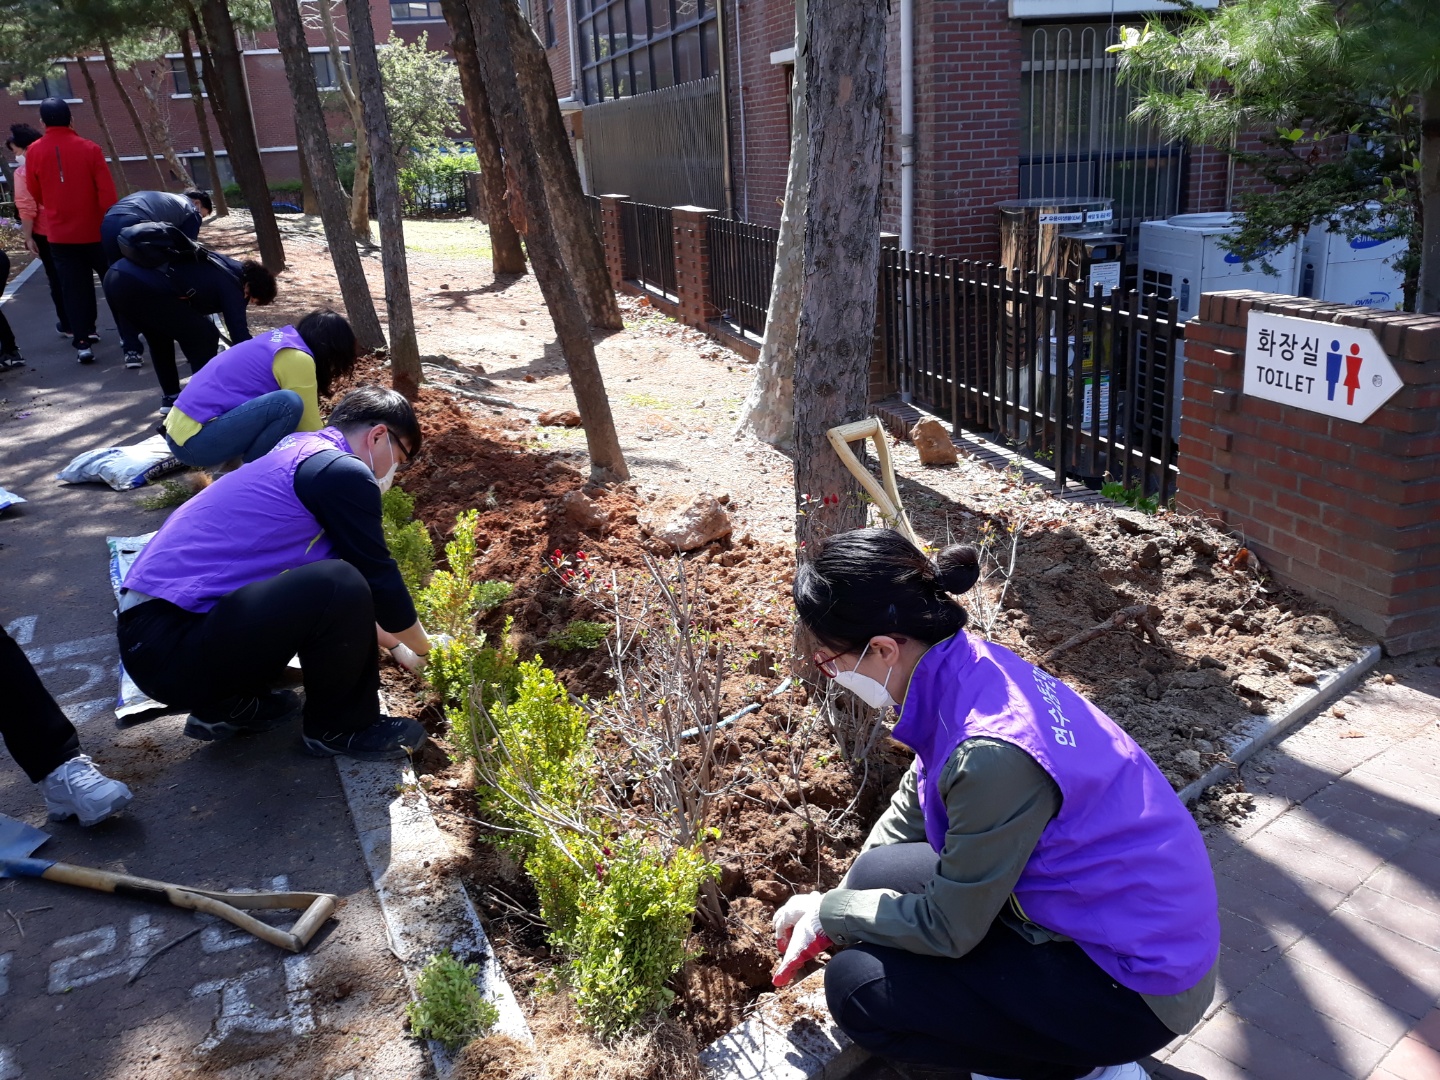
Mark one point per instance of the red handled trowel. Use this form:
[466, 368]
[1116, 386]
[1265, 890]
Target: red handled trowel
[18, 841]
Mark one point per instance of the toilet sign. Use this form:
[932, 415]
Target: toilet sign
[1336, 370]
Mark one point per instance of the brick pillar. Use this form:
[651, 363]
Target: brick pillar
[614, 237]
[692, 264]
[1347, 512]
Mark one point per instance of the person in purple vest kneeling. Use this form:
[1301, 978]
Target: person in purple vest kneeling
[1036, 903]
[252, 395]
[284, 556]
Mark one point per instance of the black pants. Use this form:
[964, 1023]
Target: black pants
[76, 263]
[36, 732]
[52, 276]
[1006, 1008]
[166, 321]
[110, 230]
[7, 336]
[323, 612]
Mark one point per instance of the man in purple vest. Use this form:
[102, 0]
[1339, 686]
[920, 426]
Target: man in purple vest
[1036, 902]
[283, 557]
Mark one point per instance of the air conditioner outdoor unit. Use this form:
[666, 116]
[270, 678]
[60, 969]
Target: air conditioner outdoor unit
[1183, 257]
[1343, 271]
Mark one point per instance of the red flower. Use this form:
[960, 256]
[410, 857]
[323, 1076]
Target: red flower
[580, 555]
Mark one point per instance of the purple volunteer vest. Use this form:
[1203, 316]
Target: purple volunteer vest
[248, 526]
[1121, 869]
[237, 375]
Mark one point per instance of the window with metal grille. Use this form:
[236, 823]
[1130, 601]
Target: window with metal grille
[630, 47]
[415, 11]
[55, 84]
[1077, 138]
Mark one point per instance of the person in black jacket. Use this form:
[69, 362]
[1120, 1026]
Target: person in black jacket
[185, 212]
[173, 304]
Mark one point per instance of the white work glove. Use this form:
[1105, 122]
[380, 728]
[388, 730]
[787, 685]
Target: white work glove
[798, 935]
[412, 661]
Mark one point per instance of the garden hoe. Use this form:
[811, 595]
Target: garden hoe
[887, 498]
[18, 840]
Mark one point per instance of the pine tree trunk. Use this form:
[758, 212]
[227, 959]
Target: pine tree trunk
[197, 98]
[212, 81]
[769, 410]
[157, 124]
[360, 186]
[405, 374]
[309, 204]
[229, 87]
[117, 167]
[129, 104]
[506, 254]
[319, 162]
[1428, 298]
[845, 103]
[574, 225]
[492, 24]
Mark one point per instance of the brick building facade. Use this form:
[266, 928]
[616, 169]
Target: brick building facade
[270, 97]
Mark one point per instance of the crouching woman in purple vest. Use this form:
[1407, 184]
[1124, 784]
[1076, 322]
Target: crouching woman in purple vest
[284, 556]
[252, 395]
[1036, 902]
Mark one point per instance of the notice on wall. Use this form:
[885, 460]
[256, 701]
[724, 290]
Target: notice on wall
[1062, 219]
[1105, 275]
[1335, 370]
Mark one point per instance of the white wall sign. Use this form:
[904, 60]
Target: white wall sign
[1339, 371]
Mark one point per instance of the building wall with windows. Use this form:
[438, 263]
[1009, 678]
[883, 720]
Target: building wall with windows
[271, 101]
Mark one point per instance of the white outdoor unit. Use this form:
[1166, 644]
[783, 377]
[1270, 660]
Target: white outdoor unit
[1344, 271]
[1182, 257]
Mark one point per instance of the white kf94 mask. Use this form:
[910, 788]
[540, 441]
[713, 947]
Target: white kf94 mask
[872, 693]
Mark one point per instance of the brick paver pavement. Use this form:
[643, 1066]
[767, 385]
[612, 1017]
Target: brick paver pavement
[1329, 901]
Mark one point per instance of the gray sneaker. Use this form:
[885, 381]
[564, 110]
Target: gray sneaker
[85, 355]
[134, 360]
[78, 789]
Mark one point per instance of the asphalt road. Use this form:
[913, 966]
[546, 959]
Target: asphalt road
[75, 1000]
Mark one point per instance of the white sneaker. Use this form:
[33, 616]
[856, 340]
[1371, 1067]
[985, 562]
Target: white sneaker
[80, 790]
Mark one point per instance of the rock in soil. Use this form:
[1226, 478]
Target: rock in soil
[582, 512]
[933, 442]
[685, 524]
[558, 418]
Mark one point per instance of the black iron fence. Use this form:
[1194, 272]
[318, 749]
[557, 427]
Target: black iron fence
[1088, 382]
[647, 251]
[433, 193]
[742, 266]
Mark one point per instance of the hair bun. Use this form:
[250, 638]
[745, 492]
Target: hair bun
[957, 568]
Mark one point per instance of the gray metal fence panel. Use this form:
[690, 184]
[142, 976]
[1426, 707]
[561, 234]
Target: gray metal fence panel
[665, 148]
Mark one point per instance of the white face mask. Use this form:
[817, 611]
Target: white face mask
[872, 693]
[389, 477]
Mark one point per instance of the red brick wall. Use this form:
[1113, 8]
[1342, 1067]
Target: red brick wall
[754, 29]
[1349, 513]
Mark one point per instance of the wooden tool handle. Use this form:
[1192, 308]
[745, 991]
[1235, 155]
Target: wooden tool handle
[317, 906]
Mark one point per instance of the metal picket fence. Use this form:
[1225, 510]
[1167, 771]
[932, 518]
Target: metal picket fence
[1086, 381]
[742, 267]
[648, 246]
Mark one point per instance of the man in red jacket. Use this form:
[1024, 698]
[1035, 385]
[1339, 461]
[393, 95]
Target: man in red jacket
[70, 181]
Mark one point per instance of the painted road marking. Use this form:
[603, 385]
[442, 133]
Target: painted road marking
[72, 972]
[22, 629]
[5, 973]
[221, 936]
[81, 703]
[236, 1012]
[9, 1067]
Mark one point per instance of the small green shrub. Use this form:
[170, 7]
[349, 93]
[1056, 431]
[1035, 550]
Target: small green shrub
[1133, 496]
[408, 540]
[471, 675]
[541, 750]
[452, 599]
[629, 935]
[449, 1007]
[580, 635]
[491, 594]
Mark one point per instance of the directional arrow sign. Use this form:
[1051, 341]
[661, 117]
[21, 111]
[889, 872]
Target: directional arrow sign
[1339, 371]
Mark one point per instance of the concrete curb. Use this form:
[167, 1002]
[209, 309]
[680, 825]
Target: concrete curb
[790, 1037]
[1329, 688]
[424, 913]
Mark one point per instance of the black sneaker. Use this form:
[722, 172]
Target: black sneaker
[134, 360]
[168, 402]
[62, 332]
[11, 360]
[388, 738]
[243, 716]
[85, 355]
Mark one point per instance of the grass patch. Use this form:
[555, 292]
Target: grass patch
[580, 634]
[176, 492]
[453, 237]
[644, 401]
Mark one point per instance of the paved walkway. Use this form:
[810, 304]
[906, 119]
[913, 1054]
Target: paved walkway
[1330, 901]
